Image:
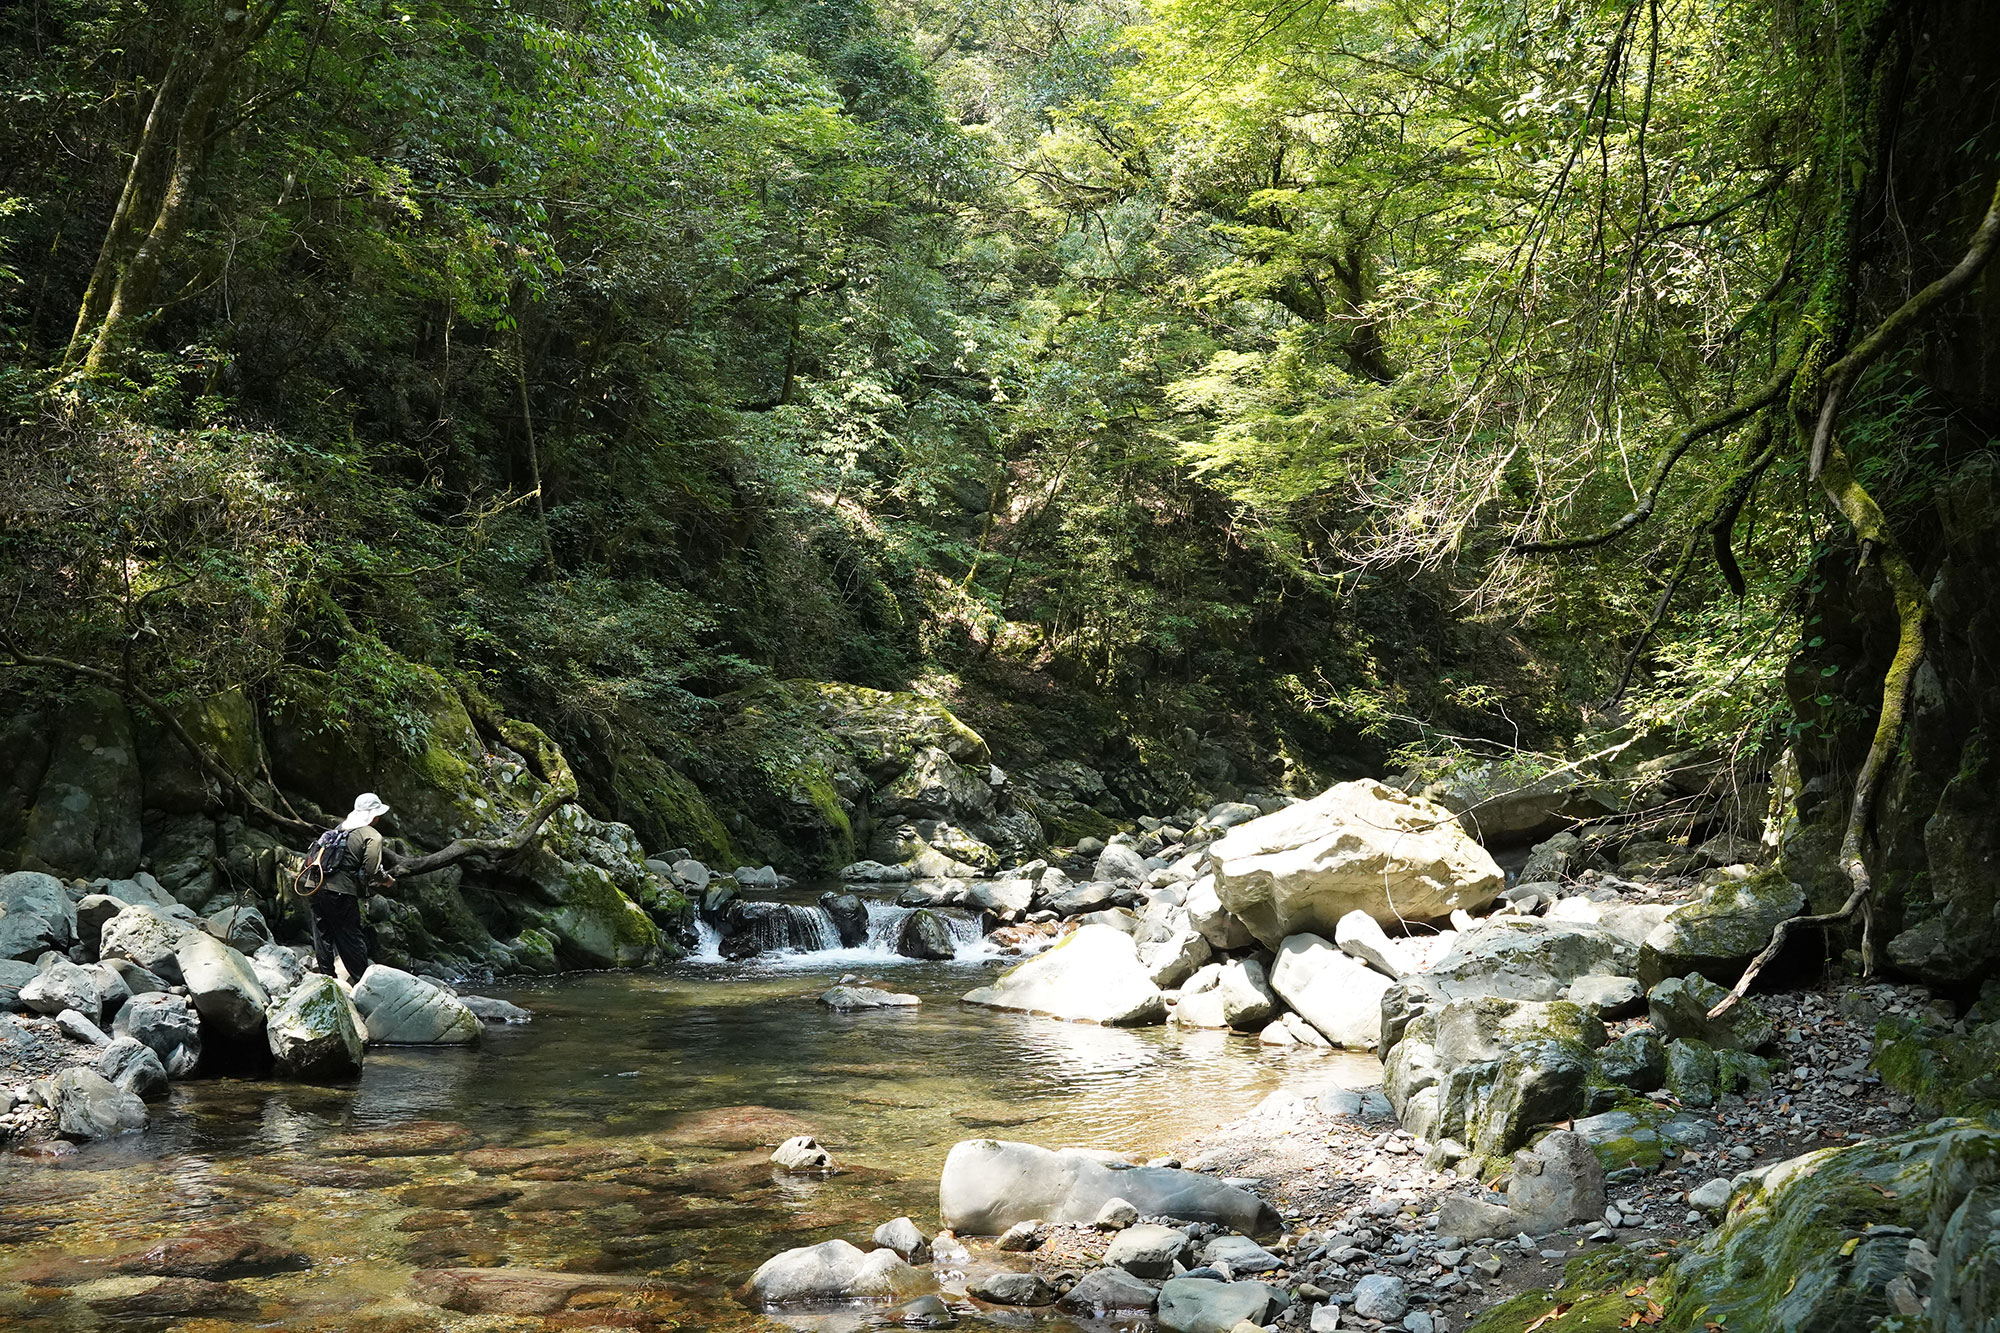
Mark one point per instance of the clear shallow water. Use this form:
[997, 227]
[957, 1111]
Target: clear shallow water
[650, 1098]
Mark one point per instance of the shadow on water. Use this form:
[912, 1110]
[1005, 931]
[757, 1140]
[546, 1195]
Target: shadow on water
[622, 1138]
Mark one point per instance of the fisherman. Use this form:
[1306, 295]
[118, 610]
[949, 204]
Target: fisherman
[350, 858]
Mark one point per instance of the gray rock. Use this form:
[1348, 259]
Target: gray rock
[906, 1239]
[1067, 900]
[132, 1067]
[15, 974]
[989, 1185]
[850, 917]
[1107, 1292]
[866, 997]
[278, 969]
[1021, 1237]
[241, 927]
[1712, 1197]
[1146, 1250]
[1240, 1254]
[1380, 1296]
[1092, 975]
[1360, 936]
[1718, 934]
[65, 985]
[1528, 958]
[1119, 865]
[1012, 1289]
[1248, 1002]
[36, 915]
[501, 1012]
[1692, 1071]
[925, 935]
[1679, 1007]
[137, 980]
[1556, 1182]
[1358, 846]
[90, 1106]
[1539, 1082]
[165, 1024]
[316, 1033]
[1608, 997]
[1216, 923]
[692, 874]
[91, 913]
[78, 1028]
[146, 935]
[1638, 1060]
[833, 1271]
[1171, 961]
[222, 986]
[1202, 1305]
[1339, 995]
[1115, 1215]
[403, 1010]
[802, 1152]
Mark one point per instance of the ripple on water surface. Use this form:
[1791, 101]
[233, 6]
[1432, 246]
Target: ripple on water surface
[618, 1144]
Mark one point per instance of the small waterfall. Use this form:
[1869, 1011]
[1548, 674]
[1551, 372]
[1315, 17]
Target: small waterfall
[886, 922]
[707, 939]
[787, 928]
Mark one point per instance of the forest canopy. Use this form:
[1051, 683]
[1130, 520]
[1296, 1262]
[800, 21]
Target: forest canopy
[1203, 355]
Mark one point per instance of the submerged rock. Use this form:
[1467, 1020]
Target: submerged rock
[989, 1185]
[1093, 975]
[867, 997]
[802, 1153]
[514, 1291]
[1358, 846]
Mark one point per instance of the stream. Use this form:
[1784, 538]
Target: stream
[620, 1133]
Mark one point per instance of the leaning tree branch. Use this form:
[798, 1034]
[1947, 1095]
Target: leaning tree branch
[1840, 376]
[1759, 398]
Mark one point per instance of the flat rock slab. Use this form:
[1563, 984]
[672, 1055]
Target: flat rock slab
[560, 1161]
[159, 1297]
[526, 1291]
[477, 1195]
[737, 1127]
[416, 1138]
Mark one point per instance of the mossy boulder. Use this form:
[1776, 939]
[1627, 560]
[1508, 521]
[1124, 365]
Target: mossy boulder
[441, 780]
[1539, 1082]
[1719, 933]
[588, 877]
[1692, 1072]
[1810, 1245]
[1941, 1069]
[1636, 1060]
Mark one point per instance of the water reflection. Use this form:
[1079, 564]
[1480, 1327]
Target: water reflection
[651, 1096]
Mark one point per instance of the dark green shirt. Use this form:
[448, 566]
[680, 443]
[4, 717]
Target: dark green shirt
[365, 846]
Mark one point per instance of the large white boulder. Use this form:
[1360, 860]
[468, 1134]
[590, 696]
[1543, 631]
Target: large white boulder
[90, 1106]
[404, 1010]
[1092, 975]
[834, 1271]
[1358, 846]
[316, 1033]
[222, 985]
[1339, 995]
[1529, 958]
[989, 1185]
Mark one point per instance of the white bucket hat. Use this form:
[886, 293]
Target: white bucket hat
[367, 808]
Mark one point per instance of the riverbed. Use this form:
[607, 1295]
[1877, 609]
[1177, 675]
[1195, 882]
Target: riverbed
[621, 1134]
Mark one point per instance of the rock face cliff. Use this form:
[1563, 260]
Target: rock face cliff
[1938, 825]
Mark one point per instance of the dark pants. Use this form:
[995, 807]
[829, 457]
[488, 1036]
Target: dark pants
[336, 928]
